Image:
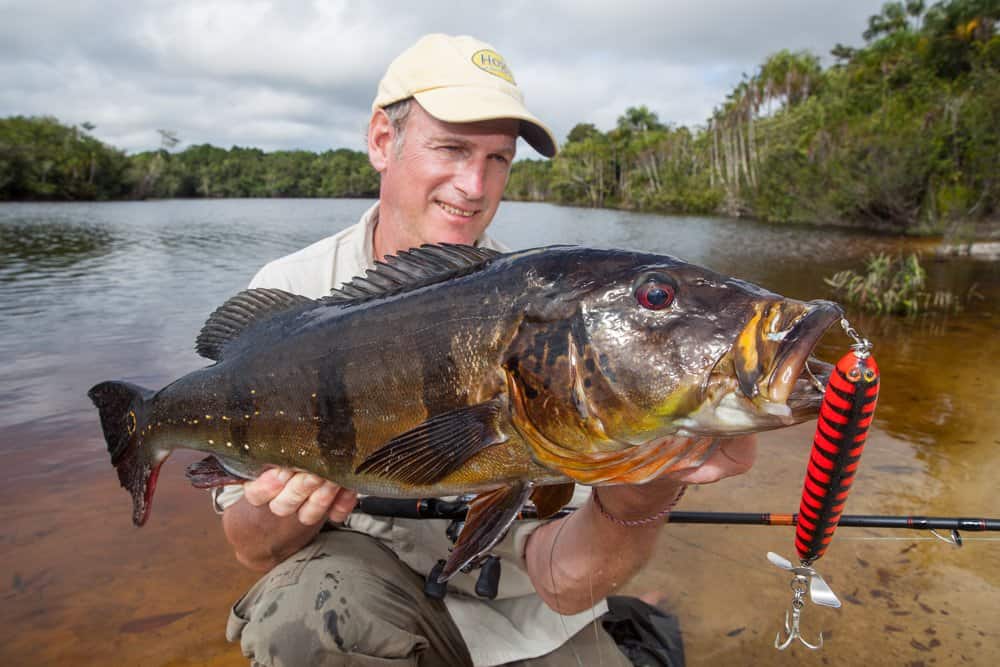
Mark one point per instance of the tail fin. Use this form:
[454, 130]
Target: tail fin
[123, 409]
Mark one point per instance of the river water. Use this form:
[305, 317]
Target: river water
[119, 290]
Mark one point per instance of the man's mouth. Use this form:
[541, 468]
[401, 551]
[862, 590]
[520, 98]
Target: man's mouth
[447, 208]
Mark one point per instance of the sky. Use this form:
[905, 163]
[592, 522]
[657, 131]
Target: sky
[302, 75]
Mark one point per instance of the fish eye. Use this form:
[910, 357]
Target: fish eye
[654, 294]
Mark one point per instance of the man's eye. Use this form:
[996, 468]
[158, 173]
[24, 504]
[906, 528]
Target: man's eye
[501, 159]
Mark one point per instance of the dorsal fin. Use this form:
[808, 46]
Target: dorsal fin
[233, 317]
[415, 268]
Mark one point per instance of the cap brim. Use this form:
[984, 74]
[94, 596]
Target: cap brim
[467, 104]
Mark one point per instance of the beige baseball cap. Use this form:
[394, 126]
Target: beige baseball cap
[461, 80]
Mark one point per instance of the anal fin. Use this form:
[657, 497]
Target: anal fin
[214, 471]
[490, 515]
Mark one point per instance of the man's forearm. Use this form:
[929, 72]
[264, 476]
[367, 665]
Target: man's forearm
[262, 539]
[570, 562]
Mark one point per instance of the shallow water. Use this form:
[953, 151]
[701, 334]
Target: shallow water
[97, 291]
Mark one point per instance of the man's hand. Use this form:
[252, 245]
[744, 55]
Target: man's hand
[310, 498]
[579, 559]
[281, 512]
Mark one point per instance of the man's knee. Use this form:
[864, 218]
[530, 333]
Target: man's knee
[343, 596]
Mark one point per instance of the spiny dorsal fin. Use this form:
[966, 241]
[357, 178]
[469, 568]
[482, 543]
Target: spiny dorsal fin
[233, 317]
[415, 268]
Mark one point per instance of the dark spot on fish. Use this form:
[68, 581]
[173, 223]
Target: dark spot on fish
[901, 613]
[967, 442]
[909, 548]
[330, 621]
[587, 382]
[589, 363]
[148, 623]
[343, 600]
[945, 612]
[917, 645]
[876, 593]
[916, 663]
[885, 577]
[321, 599]
[336, 581]
[736, 632]
[530, 391]
[333, 406]
[927, 608]
[319, 556]
[892, 628]
[862, 562]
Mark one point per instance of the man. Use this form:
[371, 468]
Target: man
[442, 136]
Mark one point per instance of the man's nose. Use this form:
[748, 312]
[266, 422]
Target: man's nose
[471, 178]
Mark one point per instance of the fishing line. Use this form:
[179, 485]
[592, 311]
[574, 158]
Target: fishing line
[916, 539]
[555, 589]
[593, 612]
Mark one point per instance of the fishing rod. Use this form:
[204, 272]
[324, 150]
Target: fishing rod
[456, 510]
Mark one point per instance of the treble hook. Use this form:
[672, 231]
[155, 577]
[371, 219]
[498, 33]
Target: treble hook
[799, 586]
[804, 579]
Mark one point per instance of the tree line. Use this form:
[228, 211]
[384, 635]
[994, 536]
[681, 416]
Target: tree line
[900, 134]
[40, 158]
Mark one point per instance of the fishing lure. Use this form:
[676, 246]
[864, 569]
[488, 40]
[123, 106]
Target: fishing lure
[841, 431]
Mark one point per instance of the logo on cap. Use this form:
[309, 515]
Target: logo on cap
[492, 62]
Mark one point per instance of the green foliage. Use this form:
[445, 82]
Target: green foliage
[902, 134]
[43, 159]
[893, 286]
[888, 285]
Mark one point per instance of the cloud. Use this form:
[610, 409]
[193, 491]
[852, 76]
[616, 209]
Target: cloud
[283, 75]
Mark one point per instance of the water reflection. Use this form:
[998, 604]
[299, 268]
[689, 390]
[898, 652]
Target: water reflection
[39, 249]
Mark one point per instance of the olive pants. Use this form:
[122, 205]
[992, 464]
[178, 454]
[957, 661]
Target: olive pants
[346, 599]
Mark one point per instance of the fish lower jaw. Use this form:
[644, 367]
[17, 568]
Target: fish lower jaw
[735, 414]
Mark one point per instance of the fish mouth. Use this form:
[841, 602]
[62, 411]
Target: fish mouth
[772, 356]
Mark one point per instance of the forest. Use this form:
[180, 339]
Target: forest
[901, 134]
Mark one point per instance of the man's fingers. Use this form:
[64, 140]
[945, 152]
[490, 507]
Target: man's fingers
[295, 492]
[734, 456]
[262, 490]
[315, 507]
[343, 505]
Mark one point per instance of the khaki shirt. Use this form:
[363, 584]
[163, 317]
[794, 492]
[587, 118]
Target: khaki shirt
[516, 625]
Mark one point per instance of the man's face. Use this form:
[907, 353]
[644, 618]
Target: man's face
[445, 183]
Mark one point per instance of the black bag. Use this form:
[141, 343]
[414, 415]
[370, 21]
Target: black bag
[648, 636]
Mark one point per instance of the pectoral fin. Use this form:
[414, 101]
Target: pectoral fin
[437, 447]
[550, 499]
[490, 515]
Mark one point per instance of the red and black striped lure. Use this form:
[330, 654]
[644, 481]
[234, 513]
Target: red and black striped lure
[841, 431]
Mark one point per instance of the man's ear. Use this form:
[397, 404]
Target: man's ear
[380, 140]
